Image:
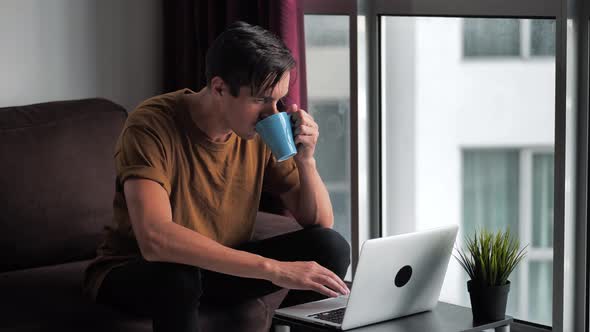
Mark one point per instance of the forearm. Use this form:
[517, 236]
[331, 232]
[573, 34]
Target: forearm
[314, 206]
[177, 244]
[191, 248]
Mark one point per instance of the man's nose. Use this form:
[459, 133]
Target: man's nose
[271, 111]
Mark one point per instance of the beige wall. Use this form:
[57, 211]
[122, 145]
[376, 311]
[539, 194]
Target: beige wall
[70, 49]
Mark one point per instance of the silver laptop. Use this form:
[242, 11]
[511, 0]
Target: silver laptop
[396, 276]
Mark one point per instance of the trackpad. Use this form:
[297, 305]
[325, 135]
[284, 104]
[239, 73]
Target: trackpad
[317, 306]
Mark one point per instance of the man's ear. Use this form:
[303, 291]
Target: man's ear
[217, 86]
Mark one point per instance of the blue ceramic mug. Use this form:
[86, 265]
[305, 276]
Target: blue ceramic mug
[277, 133]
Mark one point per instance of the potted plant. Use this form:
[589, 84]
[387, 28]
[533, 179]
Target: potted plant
[489, 259]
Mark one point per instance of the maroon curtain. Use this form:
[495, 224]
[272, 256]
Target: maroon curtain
[190, 26]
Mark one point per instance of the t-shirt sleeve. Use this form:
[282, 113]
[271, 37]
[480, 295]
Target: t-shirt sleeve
[280, 177]
[143, 153]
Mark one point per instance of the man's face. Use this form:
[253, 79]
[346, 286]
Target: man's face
[243, 112]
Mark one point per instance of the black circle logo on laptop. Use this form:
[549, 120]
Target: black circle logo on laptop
[403, 276]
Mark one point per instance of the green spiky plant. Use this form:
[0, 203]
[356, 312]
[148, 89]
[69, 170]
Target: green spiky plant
[489, 258]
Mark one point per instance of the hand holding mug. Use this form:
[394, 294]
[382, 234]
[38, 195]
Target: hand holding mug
[305, 132]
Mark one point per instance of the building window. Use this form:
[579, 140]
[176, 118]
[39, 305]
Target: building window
[540, 44]
[508, 38]
[326, 31]
[333, 153]
[514, 188]
[485, 37]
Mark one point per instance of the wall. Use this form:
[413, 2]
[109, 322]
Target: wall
[70, 49]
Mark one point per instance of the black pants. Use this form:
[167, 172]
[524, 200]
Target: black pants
[170, 293]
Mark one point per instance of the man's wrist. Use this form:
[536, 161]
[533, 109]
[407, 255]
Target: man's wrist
[268, 268]
[306, 163]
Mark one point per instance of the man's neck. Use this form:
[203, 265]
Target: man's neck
[207, 116]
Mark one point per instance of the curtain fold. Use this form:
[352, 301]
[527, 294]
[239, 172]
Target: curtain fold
[191, 26]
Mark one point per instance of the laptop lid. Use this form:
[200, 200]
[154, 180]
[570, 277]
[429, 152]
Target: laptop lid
[399, 275]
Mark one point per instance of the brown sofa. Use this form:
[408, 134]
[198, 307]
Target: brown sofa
[56, 190]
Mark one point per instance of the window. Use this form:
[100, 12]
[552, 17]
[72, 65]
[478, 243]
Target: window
[461, 143]
[514, 188]
[326, 31]
[508, 37]
[328, 84]
[540, 44]
[489, 37]
[332, 151]
[474, 76]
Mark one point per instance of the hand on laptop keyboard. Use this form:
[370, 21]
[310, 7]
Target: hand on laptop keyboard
[307, 276]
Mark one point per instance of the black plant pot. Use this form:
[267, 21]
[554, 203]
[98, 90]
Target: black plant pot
[488, 303]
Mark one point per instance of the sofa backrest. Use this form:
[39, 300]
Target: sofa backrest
[57, 180]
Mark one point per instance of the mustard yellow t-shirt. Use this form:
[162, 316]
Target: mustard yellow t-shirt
[214, 188]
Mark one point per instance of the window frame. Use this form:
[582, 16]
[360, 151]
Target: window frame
[582, 282]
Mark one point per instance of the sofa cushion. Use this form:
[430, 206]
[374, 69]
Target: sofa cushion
[50, 299]
[56, 180]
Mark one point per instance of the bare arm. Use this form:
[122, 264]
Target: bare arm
[310, 201]
[160, 239]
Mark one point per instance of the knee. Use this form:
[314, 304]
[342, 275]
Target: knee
[331, 249]
[181, 285]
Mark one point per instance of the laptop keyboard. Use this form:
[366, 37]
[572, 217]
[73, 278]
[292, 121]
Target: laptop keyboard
[334, 316]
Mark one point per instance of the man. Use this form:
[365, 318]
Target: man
[190, 171]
